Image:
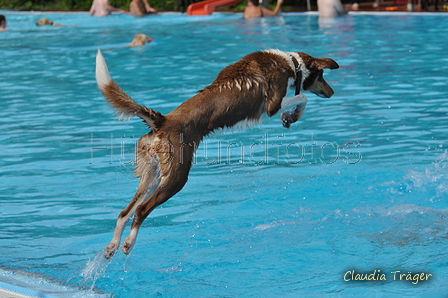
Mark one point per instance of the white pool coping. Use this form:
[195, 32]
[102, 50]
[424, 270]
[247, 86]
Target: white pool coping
[11, 291]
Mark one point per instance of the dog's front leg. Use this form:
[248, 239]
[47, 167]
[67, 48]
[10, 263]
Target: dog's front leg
[289, 102]
[298, 104]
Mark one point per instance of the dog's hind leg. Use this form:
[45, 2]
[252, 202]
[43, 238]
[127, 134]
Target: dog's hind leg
[174, 175]
[149, 171]
[164, 192]
[148, 184]
[123, 218]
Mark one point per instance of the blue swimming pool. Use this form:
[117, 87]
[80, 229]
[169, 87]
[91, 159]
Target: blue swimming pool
[359, 184]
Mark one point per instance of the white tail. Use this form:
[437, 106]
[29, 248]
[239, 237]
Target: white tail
[120, 100]
[102, 73]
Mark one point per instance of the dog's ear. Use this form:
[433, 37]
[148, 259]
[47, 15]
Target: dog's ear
[318, 63]
[321, 63]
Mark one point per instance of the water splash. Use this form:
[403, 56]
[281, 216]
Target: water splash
[95, 269]
[91, 271]
[125, 264]
[434, 177]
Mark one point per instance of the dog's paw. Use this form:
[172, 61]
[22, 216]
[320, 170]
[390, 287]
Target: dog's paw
[110, 251]
[286, 121]
[293, 115]
[127, 245]
[288, 117]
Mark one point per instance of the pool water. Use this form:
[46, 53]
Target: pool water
[359, 183]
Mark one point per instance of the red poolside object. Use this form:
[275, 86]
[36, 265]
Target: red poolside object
[207, 7]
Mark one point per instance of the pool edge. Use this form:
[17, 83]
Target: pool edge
[12, 291]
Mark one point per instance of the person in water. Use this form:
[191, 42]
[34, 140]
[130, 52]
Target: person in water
[101, 8]
[330, 8]
[253, 9]
[3, 23]
[141, 8]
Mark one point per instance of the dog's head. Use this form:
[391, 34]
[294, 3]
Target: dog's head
[313, 79]
[140, 40]
[44, 21]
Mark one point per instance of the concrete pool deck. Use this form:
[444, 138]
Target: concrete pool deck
[10, 291]
[24, 284]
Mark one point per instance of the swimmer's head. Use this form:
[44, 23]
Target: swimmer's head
[2, 21]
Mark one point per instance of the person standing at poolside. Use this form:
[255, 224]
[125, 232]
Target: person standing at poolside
[141, 8]
[330, 8]
[253, 10]
[101, 8]
[3, 23]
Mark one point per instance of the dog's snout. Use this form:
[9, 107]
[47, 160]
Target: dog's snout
[327, 93]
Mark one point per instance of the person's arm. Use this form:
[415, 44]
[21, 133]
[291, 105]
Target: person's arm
[110, 7]
[92, 10]
[267, 12]
[148, 7]
[341, 9]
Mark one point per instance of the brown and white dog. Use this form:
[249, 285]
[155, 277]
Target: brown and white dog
[45, 21]
[242, 92]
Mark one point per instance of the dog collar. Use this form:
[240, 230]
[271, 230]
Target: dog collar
[296, 63]
[298, 71]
